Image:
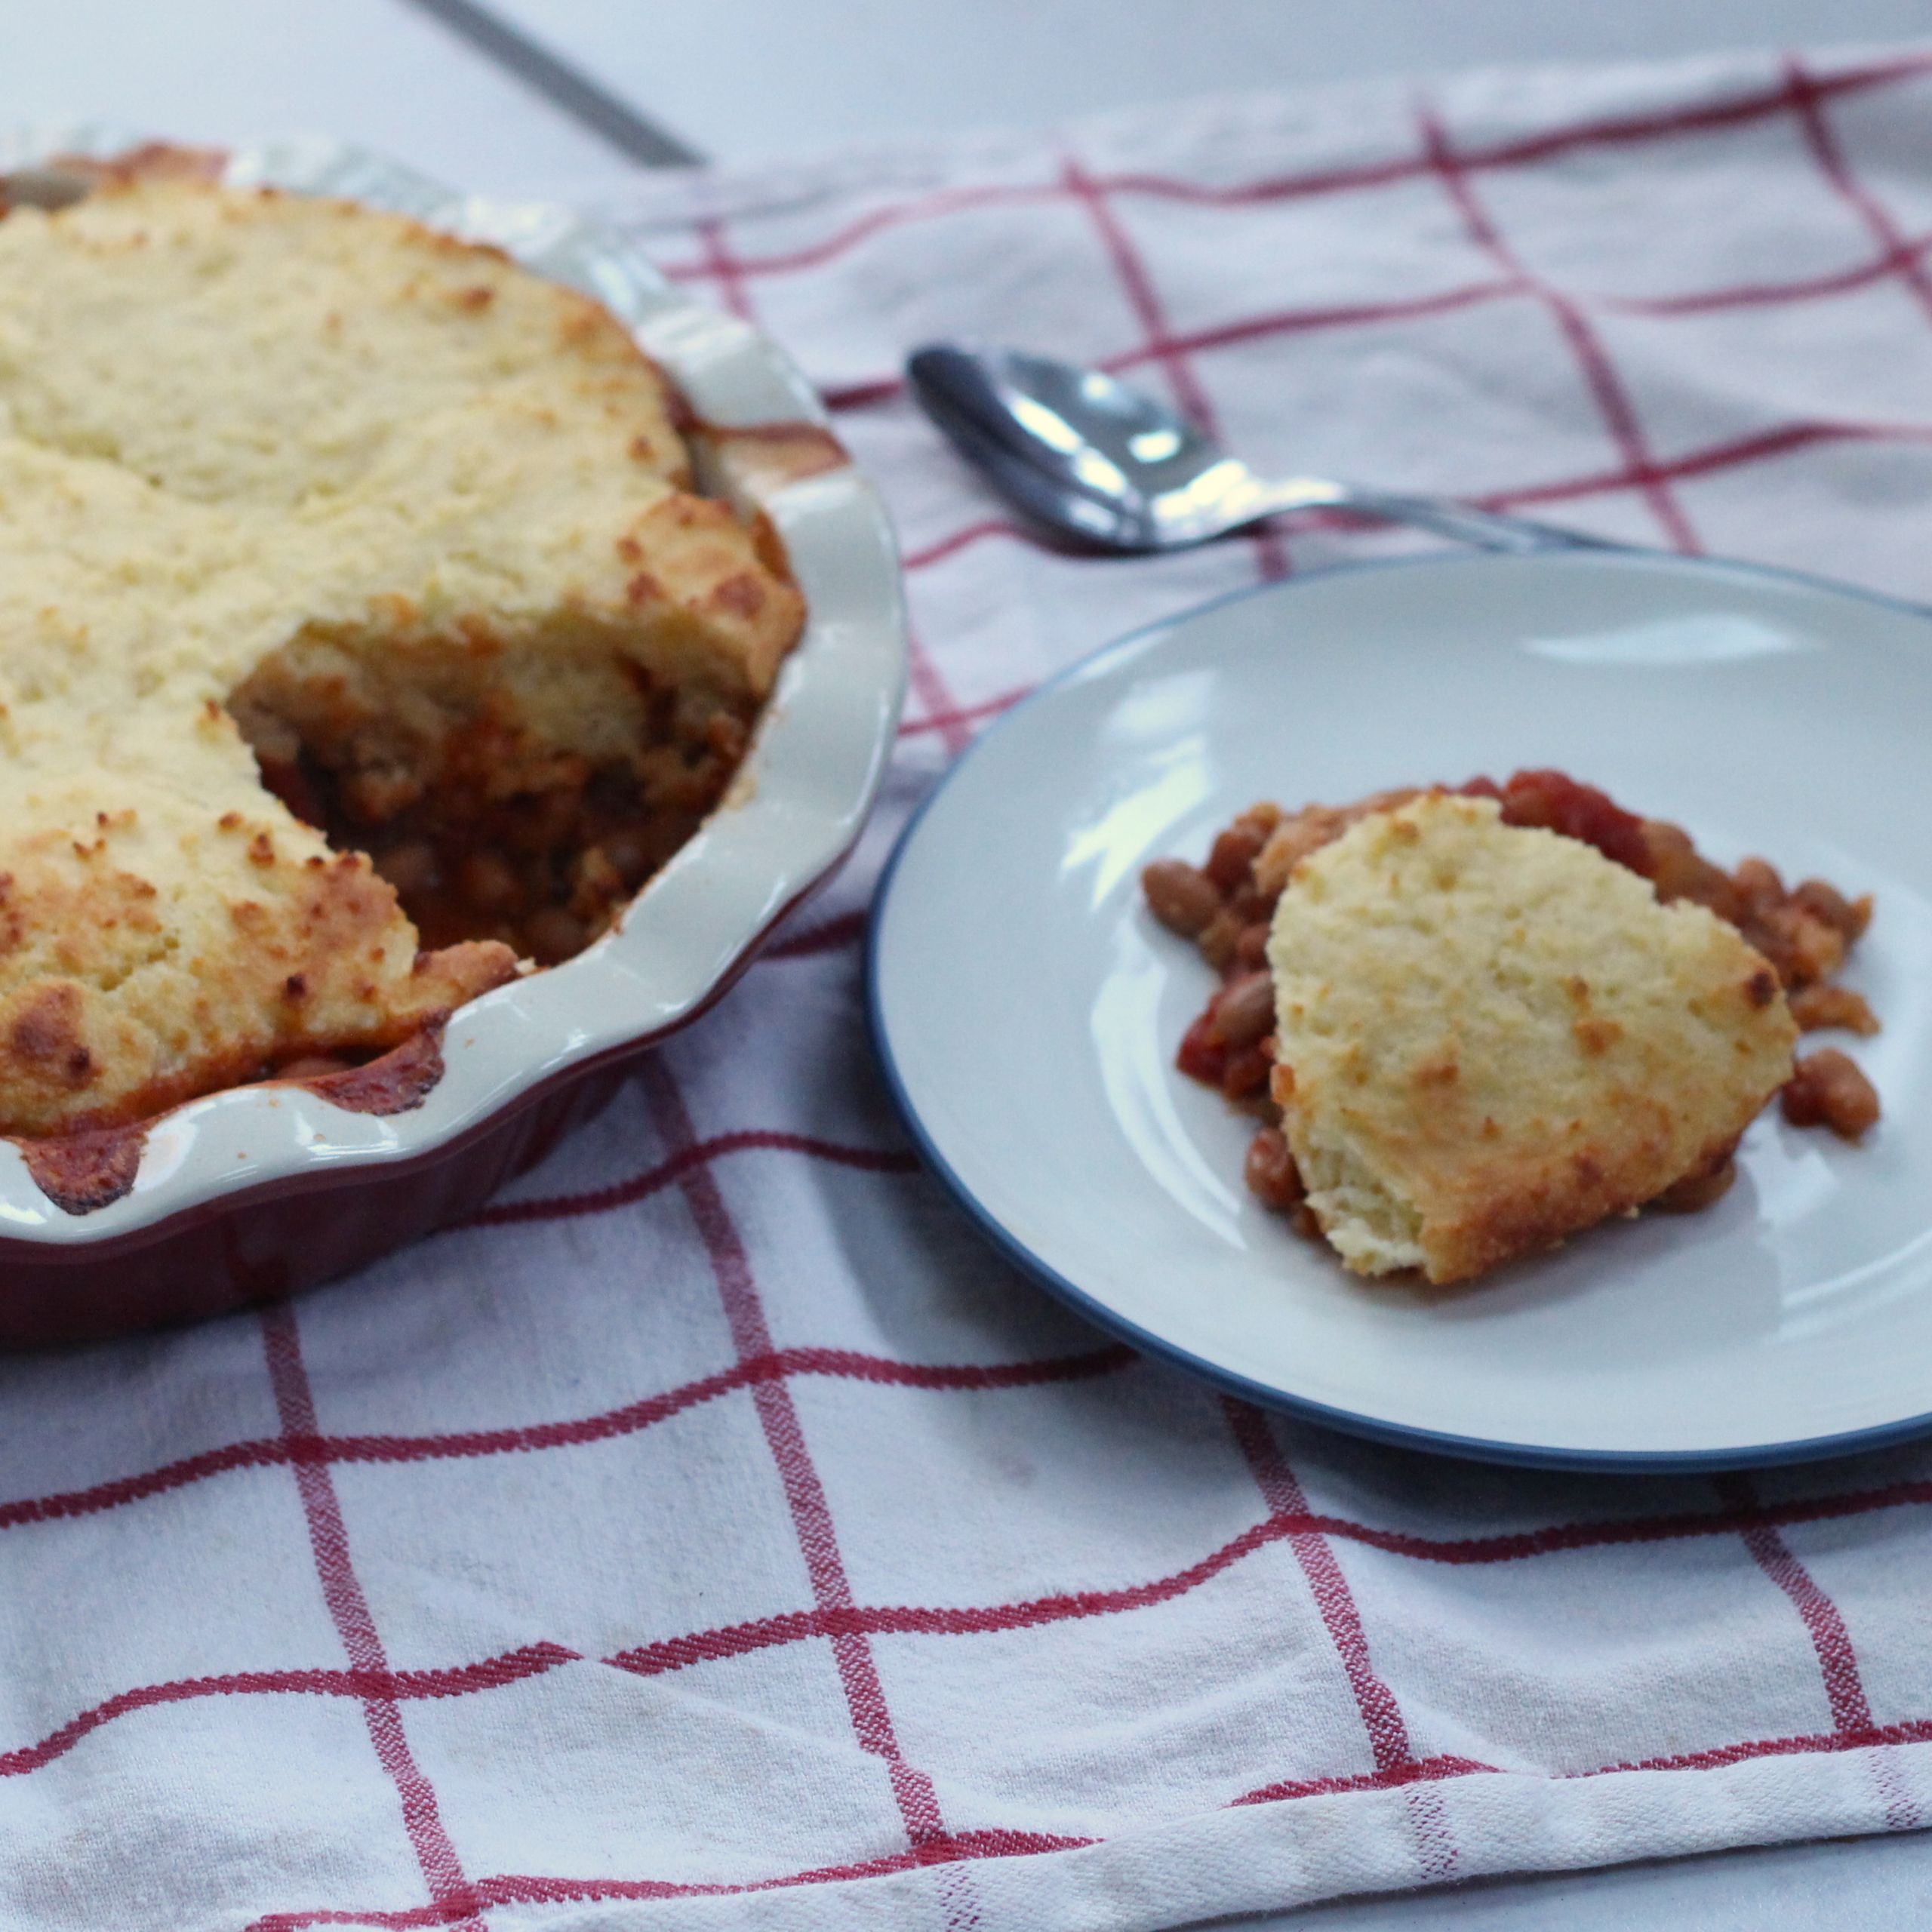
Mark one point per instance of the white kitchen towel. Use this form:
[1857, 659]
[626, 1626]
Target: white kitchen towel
[714, 1533]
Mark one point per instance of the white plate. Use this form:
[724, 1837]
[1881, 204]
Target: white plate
[1028, 1008]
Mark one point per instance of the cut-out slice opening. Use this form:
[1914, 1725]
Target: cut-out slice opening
[516, 793]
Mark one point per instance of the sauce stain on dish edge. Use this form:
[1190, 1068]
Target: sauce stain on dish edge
[80, 1173]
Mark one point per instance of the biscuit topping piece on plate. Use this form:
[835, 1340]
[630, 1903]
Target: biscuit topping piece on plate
[1490, 1036]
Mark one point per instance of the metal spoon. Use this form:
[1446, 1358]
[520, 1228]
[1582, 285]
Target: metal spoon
[1097, 461]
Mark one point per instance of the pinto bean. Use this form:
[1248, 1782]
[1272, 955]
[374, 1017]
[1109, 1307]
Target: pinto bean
[1244, 1010]
[1230, 864]
[555, 934]
[1679, 871]
[1828, 1089]
[1813, 1006]
[1823, 901]
[1758, 885]
[1220, 939]
[1270, 1171]
[410, 867]
[627, 854]
[1812, 950]
[1183, 898]
[1245, 1078]
[488, 881]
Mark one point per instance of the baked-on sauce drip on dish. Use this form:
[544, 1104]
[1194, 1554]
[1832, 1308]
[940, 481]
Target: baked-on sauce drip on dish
[1802, 934]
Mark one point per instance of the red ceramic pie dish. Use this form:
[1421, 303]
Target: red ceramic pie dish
[263, 1189]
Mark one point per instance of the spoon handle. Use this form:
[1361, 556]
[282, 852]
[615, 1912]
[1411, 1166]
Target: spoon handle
[1488, 530]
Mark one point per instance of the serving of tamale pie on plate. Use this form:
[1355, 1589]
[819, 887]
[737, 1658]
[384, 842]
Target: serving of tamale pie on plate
[1596, 901]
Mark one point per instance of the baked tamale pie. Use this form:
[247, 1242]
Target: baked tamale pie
[364, 639]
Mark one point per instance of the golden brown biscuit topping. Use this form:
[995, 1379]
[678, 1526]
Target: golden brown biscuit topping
[324, 538]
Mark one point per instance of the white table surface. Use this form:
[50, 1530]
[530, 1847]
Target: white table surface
[737, 78]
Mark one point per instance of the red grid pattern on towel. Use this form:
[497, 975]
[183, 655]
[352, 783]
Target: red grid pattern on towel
[1747, 105]
[449, 1889]
[1798, 98]
[1381, 1711]
[1161, 346]
[852, 1624]
[804, 1493]
[1898, 254]
[1606, 386]
[727, 278]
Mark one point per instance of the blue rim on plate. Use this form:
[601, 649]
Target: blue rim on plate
[1437, 1442]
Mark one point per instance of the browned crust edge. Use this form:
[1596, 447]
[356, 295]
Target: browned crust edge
[1577, 1195]
[396, 1082]
[63, 179]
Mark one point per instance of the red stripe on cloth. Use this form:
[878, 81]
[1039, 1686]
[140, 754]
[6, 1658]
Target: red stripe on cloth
[1381, 1715]
[1414, 1770]
[968, 715]
[1807, 100]
[1761, 445]
[1831, 1641]
[510, 1889]
[748, 1372]
[762, 1633]
[1606, 386]
[1721, 1757]
[1878, 1737]
[804, 1493]
[1223, 335]
[925, 208]
[1307, 321]
[1771, 295]
[624, 1193]
[1513, 1546]
[1756, 104]
[1007, 1843]
[258, 1453]
[766, 1632]
[1160, 345]
[721, 268]
[1616, 130]
[941, 710]
[840, 396]
[1381, 1712]
[512, 1667]
[962, 540]
[727, 273]
[1844, 1689]
[275, 1452]
[1787, 439]
[348, 1610]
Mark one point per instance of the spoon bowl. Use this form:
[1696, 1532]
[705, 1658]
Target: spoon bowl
[1106, 464]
